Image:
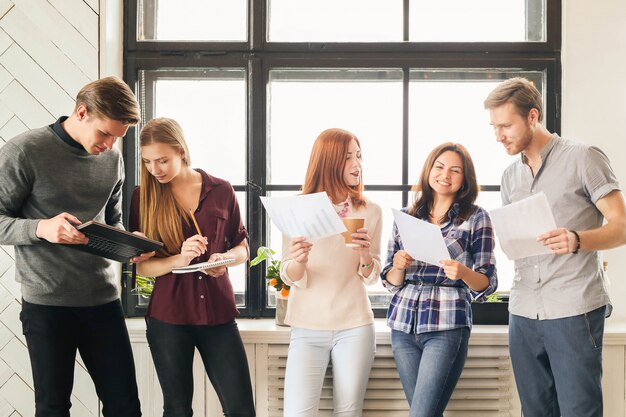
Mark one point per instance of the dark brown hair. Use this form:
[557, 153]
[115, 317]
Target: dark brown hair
[465, 197]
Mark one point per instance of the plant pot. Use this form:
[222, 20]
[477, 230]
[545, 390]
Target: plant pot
[490, 313]
[281, 310]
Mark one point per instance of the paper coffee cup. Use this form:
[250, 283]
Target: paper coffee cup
[352, 224]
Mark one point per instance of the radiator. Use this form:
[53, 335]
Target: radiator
[484, 389]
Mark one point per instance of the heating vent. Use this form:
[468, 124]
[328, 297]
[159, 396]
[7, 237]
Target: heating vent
[483, 391]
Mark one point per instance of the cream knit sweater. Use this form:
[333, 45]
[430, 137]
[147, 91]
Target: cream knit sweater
[332, 293]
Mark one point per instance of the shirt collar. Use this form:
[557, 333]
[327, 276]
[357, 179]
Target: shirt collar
[545, 151]
[63, 135]
[208, 183]
[422, 212]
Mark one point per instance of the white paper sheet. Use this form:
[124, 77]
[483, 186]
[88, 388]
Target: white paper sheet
[518, 225]
[422, 240]
[308, 215]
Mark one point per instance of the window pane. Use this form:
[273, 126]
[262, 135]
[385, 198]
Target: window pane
[303, 103]
[477, 21]
[204, 20]
[379, 295]
[335, 21]
[210, 106]
[237, 274]
[490, 201]
[447, 106]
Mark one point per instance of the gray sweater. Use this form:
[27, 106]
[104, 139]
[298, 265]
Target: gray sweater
[42, 176]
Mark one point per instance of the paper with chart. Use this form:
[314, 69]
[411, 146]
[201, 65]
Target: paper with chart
[308, 215]
[422, 240]
[518, 225]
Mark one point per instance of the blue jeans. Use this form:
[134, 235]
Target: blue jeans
[558, 364]
[430, 365]
[54, 334]
[173, 346]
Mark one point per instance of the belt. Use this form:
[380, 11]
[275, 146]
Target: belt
[432, 284]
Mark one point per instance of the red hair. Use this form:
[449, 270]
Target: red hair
[326, 166]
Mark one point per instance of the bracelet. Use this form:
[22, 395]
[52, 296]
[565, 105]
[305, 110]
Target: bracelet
[369, 265]
[577, 241]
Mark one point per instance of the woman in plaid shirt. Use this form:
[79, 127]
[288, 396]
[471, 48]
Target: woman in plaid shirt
[430, 313]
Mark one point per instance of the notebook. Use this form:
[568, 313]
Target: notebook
[201, 266]
[113, 243]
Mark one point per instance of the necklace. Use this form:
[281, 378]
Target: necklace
[342, 208]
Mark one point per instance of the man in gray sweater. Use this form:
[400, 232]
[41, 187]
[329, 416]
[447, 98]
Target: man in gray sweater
[54, 178]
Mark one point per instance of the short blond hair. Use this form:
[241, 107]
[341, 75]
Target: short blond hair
[519, 91]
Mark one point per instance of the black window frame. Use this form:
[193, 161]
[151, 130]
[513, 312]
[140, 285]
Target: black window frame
[258, 57]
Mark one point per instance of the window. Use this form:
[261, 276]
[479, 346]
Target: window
[254, 82]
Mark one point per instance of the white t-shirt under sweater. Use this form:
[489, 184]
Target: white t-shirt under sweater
[332, 294]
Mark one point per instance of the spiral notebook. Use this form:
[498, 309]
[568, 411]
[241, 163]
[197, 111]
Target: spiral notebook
[202, 265]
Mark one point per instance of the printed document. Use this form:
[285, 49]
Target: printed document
[308, 215]
[422, 240]
[518, 225]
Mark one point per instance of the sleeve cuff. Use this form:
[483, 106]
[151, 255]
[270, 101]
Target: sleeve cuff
[301, 283]
[374, 274]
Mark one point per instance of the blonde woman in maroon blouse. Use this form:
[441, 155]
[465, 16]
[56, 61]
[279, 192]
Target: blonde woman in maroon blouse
[193, 310]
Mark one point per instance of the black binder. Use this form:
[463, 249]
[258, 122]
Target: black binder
[113, 243]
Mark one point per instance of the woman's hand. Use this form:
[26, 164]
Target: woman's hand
[299, 249]
[402, 260]
[363, 242]
[220, 270]
[454, 270]
[192, 248]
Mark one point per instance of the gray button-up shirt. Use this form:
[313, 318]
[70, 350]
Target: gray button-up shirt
[573, 176]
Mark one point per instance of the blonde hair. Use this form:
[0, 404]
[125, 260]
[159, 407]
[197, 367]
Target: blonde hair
[160, 216]
[326, 164]
[519, 91]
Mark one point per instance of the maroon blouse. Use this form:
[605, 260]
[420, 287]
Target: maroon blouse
[195, 298]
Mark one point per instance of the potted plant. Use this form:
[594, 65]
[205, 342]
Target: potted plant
[273, 279]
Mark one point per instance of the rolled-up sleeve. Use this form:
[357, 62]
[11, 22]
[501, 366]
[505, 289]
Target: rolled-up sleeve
[483, 245]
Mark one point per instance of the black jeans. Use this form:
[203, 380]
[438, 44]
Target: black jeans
[53, 334]
[224, 357]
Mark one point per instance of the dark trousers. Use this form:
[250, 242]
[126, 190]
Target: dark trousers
[558, 364]
[53, 334]
[224, 358]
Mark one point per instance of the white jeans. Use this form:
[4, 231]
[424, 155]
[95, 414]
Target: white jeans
[352, 354]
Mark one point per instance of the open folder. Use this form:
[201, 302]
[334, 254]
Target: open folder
[113, 243]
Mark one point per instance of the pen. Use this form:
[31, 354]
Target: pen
[195, 222]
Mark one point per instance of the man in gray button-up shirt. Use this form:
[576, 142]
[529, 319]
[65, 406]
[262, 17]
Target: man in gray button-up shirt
[558, 301]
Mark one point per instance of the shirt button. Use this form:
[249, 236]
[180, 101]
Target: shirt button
[202, 296]
[200, 277]
[536, 266]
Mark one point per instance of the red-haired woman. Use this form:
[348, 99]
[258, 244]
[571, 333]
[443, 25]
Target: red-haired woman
[193, 310]
[430, 314]
[328, 308]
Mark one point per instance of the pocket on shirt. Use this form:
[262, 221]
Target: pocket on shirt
[217, 224]
[457, 240]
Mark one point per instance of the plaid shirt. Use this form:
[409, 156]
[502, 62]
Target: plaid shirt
[419, 308]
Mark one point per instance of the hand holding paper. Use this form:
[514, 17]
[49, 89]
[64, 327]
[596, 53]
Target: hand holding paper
[308, 215]
[518, 225]
[422, 240]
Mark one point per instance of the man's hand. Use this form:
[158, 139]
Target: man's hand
[560, 241]
[59, 230]
[143, 256]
